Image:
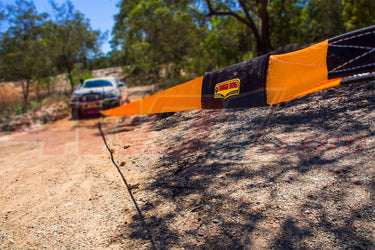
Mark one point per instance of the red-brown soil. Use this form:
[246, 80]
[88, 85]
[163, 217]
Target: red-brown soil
[300, 175]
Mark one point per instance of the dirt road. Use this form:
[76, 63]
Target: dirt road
[297, 176]
[58, 184]
[62, 173]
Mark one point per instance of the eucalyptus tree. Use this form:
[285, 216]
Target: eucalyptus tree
[253, 14]
[358, 13]
[72, 38]
[155, 33]
[22, 44]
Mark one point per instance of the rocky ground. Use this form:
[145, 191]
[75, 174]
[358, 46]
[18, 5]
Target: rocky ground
[54, 109]
[299, 175]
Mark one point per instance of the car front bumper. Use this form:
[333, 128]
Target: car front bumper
[92, 107]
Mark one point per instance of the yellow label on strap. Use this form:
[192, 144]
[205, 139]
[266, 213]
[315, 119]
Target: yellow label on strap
[228, 88]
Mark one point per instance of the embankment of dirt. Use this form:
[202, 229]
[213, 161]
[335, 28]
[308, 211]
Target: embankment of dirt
[51, 110]
[296, 176]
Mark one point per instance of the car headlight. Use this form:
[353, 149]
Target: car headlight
[111, 94]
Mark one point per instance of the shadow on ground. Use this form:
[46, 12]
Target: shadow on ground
[305, 180]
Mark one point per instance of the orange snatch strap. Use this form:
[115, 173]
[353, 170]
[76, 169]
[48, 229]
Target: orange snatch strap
[268, 79]
[183, 97]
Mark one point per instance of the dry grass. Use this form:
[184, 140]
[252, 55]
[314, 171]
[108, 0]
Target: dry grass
[9, 95]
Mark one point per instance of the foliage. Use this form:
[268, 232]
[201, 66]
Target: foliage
[285, 18]
[78, 73]
[322, 19]
[198, 36]
[73, 39]
[358, 13]
[34, 46]
[248, 13]
[163, 41]
[155, 33]
[222, 48]
[22, 44]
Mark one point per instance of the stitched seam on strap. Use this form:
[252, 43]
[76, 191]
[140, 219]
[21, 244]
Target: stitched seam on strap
[355, 36]
[298, 63]
[352, 60]
[359, 67]
[352, 46]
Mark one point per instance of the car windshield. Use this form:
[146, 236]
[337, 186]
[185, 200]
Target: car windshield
[97, 84]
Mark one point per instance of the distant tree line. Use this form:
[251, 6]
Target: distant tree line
[35, 46]
[197, 36]
[177, 37]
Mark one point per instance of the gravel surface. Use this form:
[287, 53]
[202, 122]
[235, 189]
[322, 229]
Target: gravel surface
[298, 175]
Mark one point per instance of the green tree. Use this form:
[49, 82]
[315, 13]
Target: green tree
[321, 19]
[22, 44]
[152, 34]
[358, 13]
[286, 17]
[227, 42]
[155, 33]
[72, 39]
[101, 61]
[248, 13]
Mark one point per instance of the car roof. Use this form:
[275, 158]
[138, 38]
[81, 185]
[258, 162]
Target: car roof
[101, 78]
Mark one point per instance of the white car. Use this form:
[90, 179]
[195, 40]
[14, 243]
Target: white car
[97, 94]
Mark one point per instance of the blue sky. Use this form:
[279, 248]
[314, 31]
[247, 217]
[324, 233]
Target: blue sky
[99, 12]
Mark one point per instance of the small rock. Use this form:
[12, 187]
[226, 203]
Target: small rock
[133, 185]
[363, 104]
[147, 246]
[126, 146]
[123, 163]
[357, 182]
[201, 233]
[95, 197]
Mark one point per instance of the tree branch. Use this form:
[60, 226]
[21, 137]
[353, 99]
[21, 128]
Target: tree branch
[213, 12]
[261, 33]
[251, 23]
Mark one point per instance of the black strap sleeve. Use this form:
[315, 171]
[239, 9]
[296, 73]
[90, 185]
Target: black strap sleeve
[351, 53]
[238, 86]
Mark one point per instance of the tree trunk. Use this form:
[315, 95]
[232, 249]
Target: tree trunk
[70, 80]
[261, 33]
[38, 92]
[265, 43]
[25, 93]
